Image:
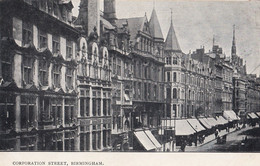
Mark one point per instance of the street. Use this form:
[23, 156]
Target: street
[234, 142]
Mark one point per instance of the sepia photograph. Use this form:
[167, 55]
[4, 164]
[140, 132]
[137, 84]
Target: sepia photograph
[129, 76]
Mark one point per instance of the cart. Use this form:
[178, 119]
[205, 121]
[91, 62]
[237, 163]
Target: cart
[222, 139]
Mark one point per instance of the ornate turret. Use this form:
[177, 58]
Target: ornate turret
[171, 43]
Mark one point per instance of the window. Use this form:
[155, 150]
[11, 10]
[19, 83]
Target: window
[114, 65]
[56, 75]
[50, 6]
[43, 5]
[168, 76]
[94, 140]
[119, 67]
[94, 105]
[68, 49]
[69, 78]
[64, 13]
[57, 111]
[6, 60]
[174, 93]
[43, 72]
[174, 110]
[55, 44]
[55, 9]
[175, 62]
[98, 107]
[27, 70]
[168, 60]
[69, 109]
[104, 107]
[82, 106]
[42, 39]
[7, 112]
[27, 33]
[126, 70]
[100, 58]
[27, 111]
[174, 77]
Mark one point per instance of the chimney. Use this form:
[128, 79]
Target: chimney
[110, 10]
[89, 15]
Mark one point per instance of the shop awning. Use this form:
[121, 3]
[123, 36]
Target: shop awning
[230, 115]
[183, 128]
[258, 114]
[205, 123]
[144, 140]
[221, 120]
[212, 121]
[252, 115]
[153, 139]
[195, 124]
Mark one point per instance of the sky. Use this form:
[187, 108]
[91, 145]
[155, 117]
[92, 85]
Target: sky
[195, 23]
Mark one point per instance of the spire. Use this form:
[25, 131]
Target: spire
[233, 49]
[155, 27]
[171, 42]
[213, 40]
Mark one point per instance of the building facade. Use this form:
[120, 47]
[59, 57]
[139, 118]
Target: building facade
[38, 71]
[93, 81]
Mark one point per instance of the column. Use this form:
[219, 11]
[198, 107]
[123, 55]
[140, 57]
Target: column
[17, 113]
[90, 138]
[90, 102]
[76, 140]
[101, 103]
[101, 138]
[36, 108]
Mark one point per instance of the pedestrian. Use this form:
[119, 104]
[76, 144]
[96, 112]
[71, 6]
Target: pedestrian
[216, 133]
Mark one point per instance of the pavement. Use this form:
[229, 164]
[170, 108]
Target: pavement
[232, 136]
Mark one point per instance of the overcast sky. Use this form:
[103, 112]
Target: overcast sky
[195, 24]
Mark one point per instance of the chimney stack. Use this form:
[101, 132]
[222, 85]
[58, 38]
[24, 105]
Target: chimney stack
[110, 10]
[89, 15]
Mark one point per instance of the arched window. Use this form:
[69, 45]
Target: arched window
[174, 95]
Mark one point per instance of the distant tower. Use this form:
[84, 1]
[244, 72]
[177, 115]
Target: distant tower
[89, 15]
[233, 49]
[110, 10]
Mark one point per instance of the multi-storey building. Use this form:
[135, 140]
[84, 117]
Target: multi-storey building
[239, 80]
[135, 46]
[252, 94]
[146, 51]
[38, 70]
[93, 81]
[116, 34]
